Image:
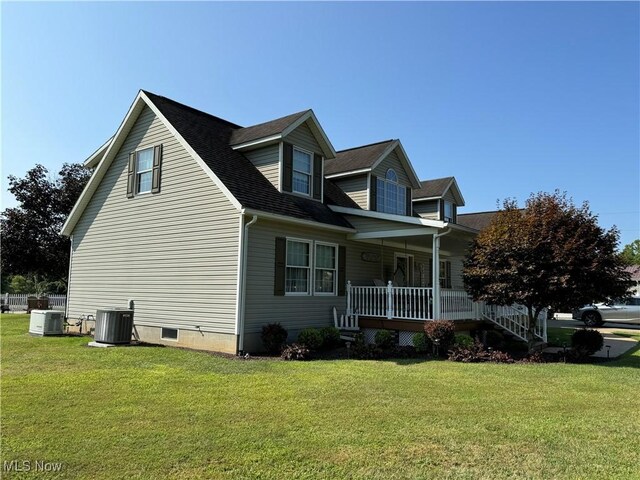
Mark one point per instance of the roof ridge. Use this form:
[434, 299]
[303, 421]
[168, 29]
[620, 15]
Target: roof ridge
[478, 213]
[183, 105]
[368, 145]
[297, 114]
[436, 179]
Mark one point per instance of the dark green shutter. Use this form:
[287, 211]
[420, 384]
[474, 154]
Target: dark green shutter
[287, 170]
[342, 271]
[131, 175]
[455, 214]
[317, 176]
[430, 276]
[441, 208]
[373, 192]
[280, 266]
[157, 168]
[408, 200]
[447, 266]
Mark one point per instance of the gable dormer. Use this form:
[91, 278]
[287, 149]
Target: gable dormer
[378, 177]
[289, 151]
[438, 199]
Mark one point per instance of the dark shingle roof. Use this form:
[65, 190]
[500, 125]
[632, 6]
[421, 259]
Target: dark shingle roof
[432, 188]
[266, 129]
[355, 158]
[477, 221]
[209, 137]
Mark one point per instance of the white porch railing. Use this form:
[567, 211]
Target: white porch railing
[409, 303]
[515, 320]
[416, 303]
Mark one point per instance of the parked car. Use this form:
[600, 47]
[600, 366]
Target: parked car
[620, 311]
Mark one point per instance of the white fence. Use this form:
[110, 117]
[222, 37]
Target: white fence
[18, 301]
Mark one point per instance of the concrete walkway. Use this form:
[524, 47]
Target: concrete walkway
[618, 345]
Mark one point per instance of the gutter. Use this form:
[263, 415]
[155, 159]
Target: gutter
[66, 307]
[242, 282]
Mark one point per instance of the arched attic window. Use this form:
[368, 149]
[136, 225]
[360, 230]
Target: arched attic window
[391, 196]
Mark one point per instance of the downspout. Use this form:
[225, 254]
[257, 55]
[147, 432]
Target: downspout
[66, 306]
[242, 281]
[435, 253]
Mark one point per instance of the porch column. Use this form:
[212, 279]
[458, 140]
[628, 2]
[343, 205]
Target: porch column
[435, 274]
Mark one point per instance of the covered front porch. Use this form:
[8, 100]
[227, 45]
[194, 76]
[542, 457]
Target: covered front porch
[410, 273]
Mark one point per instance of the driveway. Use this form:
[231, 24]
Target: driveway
[617, 345]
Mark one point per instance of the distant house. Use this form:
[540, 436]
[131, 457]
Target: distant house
[212, 230]
[634, 271]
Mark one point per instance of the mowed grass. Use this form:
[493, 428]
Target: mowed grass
[152, 412]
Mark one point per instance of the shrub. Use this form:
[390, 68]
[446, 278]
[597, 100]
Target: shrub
[385, 339]
[585, 342]
[535, 357]
[295, 351]
[330, 337]
[500, 357]
[422, 343]
[273, 337]
[461, 340]
[441, 333]
[472, 354]
[311, 338]
[476, 352]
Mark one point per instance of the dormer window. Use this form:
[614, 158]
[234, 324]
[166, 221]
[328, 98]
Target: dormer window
[301, 171]
[302, 162]
[448, 211]
[391, 197]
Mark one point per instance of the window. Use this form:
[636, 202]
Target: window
[169, 334]
[144, 170]
[391, 197]
[298, 269]
[325, 269]
[448, 211]
[302, 164]
[445, 274]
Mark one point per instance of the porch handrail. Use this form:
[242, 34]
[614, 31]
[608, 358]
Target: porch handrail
[516, 321]
[411, 303]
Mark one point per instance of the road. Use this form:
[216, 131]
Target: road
[565, 320]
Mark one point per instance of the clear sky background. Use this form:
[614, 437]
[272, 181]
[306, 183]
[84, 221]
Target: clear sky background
[510, 98]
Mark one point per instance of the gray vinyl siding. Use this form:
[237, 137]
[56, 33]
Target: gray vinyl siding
[392, 161]
[173, 253]
[295, 312]
[357, 187]
[449, 197]
[267, 161]
[427, 209]
[303, 137]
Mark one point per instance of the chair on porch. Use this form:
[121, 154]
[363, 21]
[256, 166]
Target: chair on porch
[347, 324]
[378, 283]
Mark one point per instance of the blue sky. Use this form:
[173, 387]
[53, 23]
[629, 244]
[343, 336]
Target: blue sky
[510, 98]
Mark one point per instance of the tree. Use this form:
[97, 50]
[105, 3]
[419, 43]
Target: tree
[549, 254]
[631, 253]
[31, 242]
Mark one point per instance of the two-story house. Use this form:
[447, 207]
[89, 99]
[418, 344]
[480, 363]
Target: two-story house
[212, 230]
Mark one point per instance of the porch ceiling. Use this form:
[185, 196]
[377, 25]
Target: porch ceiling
[455, 243]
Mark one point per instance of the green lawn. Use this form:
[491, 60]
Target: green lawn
[151, 412]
